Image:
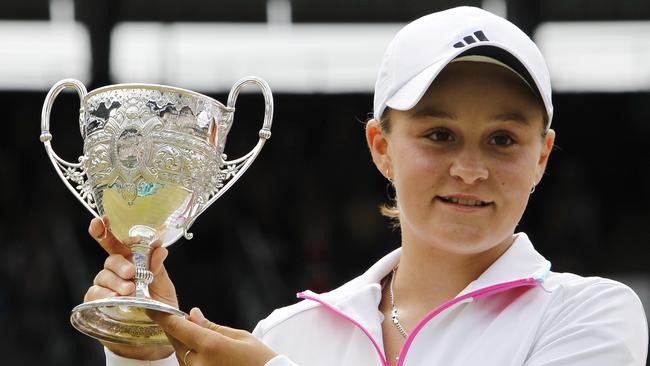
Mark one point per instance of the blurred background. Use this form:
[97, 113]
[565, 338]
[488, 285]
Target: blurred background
[305, 215]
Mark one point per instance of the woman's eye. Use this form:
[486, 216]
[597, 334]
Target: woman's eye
[441, 136]
[501, 140]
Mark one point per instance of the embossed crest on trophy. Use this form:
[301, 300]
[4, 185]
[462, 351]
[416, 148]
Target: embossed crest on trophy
[153, 160]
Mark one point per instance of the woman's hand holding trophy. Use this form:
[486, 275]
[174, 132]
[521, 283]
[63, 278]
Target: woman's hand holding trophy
[192, 337]
[200, 342]
[116, 279]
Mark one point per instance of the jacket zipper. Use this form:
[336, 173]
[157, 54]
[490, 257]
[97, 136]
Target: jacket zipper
[483, 292]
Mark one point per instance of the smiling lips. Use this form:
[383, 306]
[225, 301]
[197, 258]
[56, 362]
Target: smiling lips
[466, 202]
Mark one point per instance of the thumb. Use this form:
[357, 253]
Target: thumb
[196, 316]
[158, 256]
[99, 229]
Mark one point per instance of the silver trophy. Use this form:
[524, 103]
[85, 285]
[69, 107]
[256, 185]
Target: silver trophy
[153, 160]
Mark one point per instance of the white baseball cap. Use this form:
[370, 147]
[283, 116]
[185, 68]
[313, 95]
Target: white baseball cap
[421, 49]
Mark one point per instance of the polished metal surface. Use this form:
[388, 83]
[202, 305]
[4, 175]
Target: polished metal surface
[122, 320]
[153, 160]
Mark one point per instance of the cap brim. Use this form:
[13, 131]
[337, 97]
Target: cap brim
[411, 93]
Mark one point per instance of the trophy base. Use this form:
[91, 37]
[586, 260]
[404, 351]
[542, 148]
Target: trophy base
[122, 320]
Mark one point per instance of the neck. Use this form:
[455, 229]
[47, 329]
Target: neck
[429, 276]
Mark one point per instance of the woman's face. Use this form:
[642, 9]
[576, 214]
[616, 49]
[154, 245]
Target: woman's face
[464, 160]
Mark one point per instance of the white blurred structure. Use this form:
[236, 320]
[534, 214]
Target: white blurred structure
[293, 58]
[335, 58]
[597, 56]
[210, 57]
[498, 7]
[36, 54]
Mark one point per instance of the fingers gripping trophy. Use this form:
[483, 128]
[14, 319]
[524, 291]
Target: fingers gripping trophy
[153, 160]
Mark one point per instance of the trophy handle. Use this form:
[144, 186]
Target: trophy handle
[68, 172]
[232, 170]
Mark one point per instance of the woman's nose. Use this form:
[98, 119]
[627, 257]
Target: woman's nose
[469, 169]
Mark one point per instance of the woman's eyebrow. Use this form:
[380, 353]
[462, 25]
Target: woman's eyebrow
[432, 112]
[512, 116]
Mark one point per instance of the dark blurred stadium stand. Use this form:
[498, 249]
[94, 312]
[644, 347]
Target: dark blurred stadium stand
[25, 10]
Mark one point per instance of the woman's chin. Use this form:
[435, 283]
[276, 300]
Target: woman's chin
[465, 239]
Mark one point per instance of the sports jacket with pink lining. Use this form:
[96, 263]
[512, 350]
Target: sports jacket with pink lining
[517, 313]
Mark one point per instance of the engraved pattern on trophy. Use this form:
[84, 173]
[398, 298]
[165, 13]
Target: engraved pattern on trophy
[77, 174]
[143, 145]
[153, 162]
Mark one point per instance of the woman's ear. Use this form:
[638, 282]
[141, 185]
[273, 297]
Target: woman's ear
[547, 148]
[378, 141]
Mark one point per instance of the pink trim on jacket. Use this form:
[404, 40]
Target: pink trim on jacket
[490, 290]
[483, 292]
[303, 295]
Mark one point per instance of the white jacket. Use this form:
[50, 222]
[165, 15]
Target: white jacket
[517, 313]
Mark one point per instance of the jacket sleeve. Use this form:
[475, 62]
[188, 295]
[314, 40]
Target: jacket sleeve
[279, 360]
[602, 324]
[114, 360]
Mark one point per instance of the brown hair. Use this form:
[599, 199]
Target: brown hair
[391, 208]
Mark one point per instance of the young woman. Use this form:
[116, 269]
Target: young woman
[461, 128]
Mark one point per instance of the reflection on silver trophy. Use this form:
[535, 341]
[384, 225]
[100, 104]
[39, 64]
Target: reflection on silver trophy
[153, 161]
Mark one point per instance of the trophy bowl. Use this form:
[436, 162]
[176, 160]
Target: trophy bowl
[153, 160]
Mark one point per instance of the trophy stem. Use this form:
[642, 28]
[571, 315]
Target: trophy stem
[141, 251]
[143, 277]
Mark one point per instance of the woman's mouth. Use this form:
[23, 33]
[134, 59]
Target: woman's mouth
[463, 201]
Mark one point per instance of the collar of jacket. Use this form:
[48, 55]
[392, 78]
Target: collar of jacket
[520, 263]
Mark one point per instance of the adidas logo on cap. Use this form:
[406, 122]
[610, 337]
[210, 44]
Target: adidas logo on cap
[476, 37]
